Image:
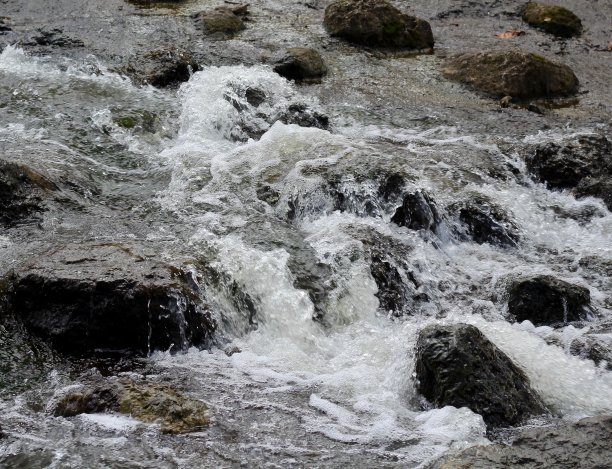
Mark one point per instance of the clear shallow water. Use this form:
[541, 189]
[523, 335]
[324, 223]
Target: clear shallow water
[299, 392]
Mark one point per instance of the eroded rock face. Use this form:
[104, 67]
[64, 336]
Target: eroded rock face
[567, 446]
[546, 300]
[144, 401]
[22, 193]
[301, 63]
[377, 23]
[583, 164]
[514, 73]
[162, 67]
[104, 299]
[552, 19]
[457, 365]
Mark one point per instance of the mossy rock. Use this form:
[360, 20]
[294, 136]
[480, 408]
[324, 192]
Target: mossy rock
[521, 75]
[220, 20]
[377, 23]
[148, 402]
[552, 19]
[144, 120]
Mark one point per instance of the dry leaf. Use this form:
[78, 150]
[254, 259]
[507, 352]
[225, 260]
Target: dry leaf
[510, 33]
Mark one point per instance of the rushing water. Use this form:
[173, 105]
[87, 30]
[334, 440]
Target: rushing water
[300, 392]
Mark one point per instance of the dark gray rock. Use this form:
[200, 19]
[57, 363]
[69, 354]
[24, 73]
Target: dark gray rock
[553, 19]
[585, 444]
[301, 115]
[105, 299]
[161, 67]
[596, 187]
[546, 300]
[418, 212]
[521, 75]
[457, 365]
[22, 193]
[377, 23]
[53, 37]
[301, 63]
[484, 222]
[583, 164]
[564, 165]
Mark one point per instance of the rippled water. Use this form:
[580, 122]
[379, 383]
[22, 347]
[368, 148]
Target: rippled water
[300, 392]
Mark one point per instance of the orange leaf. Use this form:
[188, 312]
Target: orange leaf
[510, 33]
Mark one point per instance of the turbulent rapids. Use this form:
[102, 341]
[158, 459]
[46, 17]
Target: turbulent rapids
[266, 257]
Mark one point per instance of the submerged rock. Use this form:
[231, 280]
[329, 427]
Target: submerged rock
[546, 300]
[300, 63]
[162, 67]
[553, 19]
[457, 365]
[104, 299]
[223, 20]
[584, 164]
[148, 402]
[566, 446]
[521, 75]
[418, 212]
[53, 37]
[22, 192]
[377, 23]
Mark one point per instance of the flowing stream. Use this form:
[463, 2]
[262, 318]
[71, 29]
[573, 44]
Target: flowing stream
[299, 393]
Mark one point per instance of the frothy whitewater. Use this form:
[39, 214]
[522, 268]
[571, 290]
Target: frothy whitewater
[325, 392]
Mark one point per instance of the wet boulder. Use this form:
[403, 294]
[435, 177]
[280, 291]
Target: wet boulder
[105, 299]
[583, 164]
[149, 402]
[161, 67]
[223, 20]
[417, 212]
[521, 75]
[22, 193]
[546, 300]
[377, 23]
[585, 443]
[301, 115]
[485, 223]
[552, 19]
[457, 365]
[301, 63]
[596, 187]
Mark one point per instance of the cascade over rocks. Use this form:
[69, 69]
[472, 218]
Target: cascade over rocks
[377, 23]
[585, 443]
[583, 164]
[457, 365]
[104, 299]
[552, 19]
[144, 401]
[521, 75]
[301, 63]
[546, 300]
